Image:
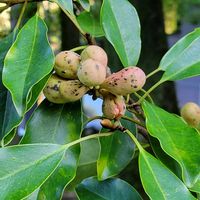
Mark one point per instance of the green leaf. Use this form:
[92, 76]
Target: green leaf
[111, 189]
[11, 121]
[24, 168]
[66, 5]
[87, 165]
[90, 21]
[159, 182]
[32, 58]
[111, 159]
[9, 118]
[177, 139]
[60, 124]
[122, 29]
[85, 4]
[183, 59]
[163, 157]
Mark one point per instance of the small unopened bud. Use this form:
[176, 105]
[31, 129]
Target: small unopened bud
[113, 106]
[106, 123]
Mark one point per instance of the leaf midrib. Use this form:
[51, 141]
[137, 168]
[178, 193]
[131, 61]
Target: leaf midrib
[117, 26]
[31, 55]
[32, 164]
[151, 170]
[181, 69]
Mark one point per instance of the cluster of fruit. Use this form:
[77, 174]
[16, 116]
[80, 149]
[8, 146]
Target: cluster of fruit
[76, 74]
[190, 112]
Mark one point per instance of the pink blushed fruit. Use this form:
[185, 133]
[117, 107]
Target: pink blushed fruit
[126, 81]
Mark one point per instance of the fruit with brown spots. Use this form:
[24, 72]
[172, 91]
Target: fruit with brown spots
[66, 64]
[72, 90]
[190, 112]
[96, 53]
[126, 81]
[91, 73]
[51, 90]
[113, 106]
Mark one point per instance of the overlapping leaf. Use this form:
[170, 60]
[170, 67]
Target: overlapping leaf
[66, 6]
[177, 139]
[111, 189]
[6, 123]
[60, 124]
[159, 182]
[90, 21]
[122, 29]
[28, 61]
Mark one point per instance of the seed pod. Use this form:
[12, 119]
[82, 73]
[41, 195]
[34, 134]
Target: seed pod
[66, 64]
[91, 73]
[191, 114]
[72, 90]
[51, 90]
[96, 53]
[113, 106]
[126, 81]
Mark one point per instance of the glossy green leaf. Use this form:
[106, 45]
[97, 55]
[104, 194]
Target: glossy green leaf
[11, 120]
[24, 168]
[122, 29]
[66, 6]
[33, 59]
[60, 124]
[9, 117]
[90, 21]
[183, 59]
[111, 159]
[177, 139]
[5, 44]
[164, 158]
[111, 189]
[159, 182]
[85, 4]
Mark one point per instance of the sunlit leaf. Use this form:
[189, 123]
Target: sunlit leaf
[177, 139]
[32, 58]
[159, 182]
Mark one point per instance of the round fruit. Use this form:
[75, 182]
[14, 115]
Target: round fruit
[96, 53]
[72, 90]
[51, 90]
[91, 73]
[66, 64]
[126, 81]
[191, 114]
